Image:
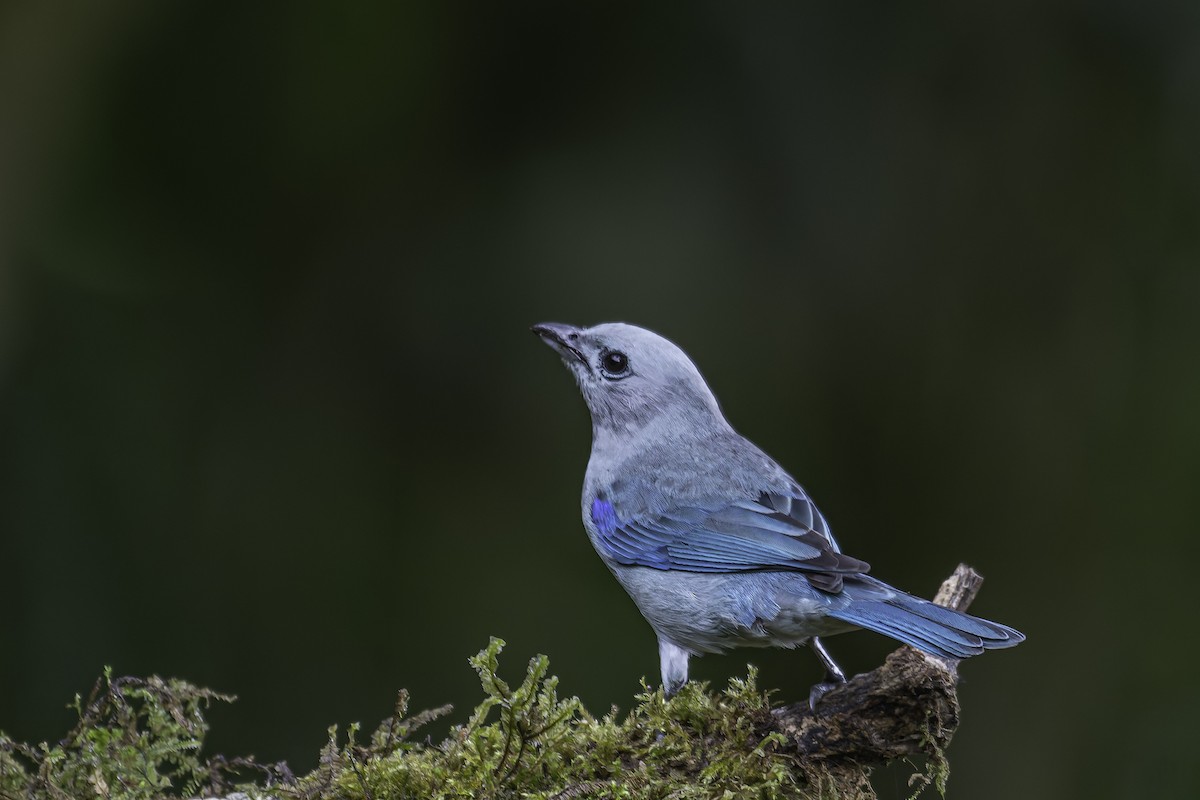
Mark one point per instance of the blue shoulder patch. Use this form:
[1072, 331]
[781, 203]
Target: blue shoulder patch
[628, 544]
[604, 516]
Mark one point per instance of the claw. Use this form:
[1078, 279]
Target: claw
[818, 691]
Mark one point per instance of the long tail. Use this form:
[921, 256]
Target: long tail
[939, 631]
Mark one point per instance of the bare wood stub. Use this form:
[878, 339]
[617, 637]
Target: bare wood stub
[959, 590]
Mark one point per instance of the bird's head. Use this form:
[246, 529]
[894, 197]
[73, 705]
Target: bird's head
[631, 378]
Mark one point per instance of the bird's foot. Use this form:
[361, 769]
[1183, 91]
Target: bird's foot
[834, 677]
[819, 690]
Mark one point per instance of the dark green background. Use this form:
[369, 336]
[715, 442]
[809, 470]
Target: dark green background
[271, 418]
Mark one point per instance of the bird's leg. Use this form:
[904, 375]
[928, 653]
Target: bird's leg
[833, 674]
[673, 661]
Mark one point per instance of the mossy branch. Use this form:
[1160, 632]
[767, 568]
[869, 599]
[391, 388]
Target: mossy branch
[140, 740]
[906, 707]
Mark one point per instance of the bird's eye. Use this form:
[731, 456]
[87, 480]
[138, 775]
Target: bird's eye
[614, 363]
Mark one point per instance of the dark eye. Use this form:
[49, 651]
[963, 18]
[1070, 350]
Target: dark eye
[614, 363]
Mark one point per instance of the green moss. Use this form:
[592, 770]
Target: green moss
[134, 739]
[141, 739]
[698, 744]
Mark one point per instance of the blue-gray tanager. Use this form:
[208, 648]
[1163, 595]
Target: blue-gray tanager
[717, 545]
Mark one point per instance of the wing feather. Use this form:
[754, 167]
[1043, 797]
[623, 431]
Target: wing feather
[774, 532]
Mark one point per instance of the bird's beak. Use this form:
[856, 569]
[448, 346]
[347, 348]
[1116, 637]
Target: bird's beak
[561, 337]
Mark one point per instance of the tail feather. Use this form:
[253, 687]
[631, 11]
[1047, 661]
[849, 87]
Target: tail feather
[907, 627]
[936, 630]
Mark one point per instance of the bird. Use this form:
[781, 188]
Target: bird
[719, 546]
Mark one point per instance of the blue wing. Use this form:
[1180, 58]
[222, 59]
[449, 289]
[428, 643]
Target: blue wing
[774, 532]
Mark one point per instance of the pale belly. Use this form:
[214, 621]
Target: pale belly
[711, 613]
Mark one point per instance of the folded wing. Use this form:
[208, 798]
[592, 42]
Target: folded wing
[773, 532]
